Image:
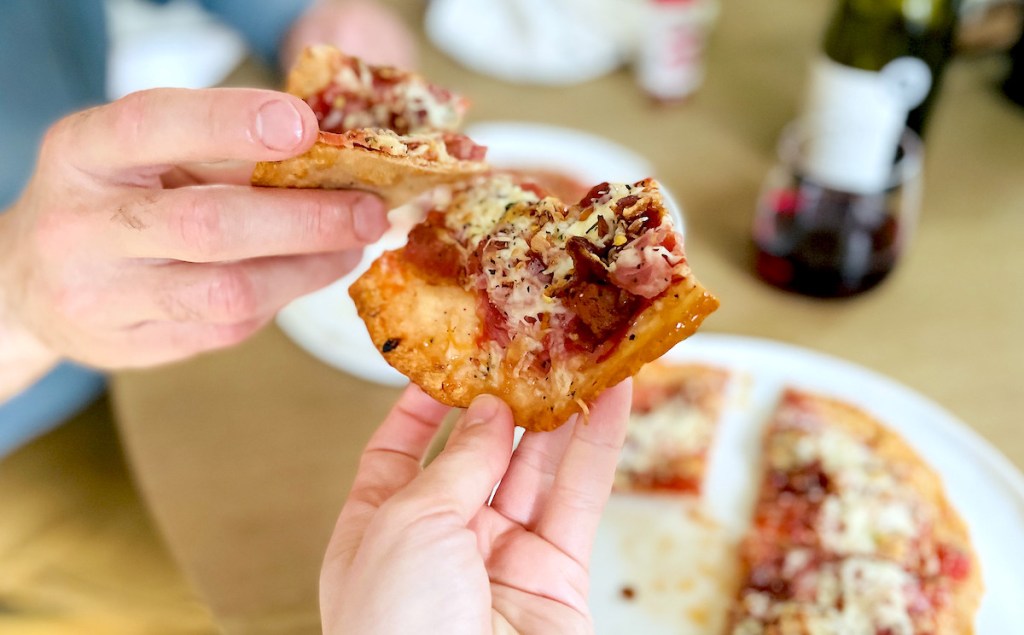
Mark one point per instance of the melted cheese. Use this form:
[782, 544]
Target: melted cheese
[672, 430]
[521, 242]
[410, 101]
[426, 146]
[476, 210]
[416, 97]
[870, 510]
[857, 595]
[872, 594]
[865, 524]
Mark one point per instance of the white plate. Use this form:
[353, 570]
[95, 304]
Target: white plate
[685, 561]
[325, 323]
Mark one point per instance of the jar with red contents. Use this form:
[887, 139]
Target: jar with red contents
[820, 239]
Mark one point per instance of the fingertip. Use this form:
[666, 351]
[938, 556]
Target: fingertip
[483, 409]
[369, 217]
[487, 417]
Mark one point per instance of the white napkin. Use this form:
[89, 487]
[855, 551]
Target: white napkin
[536, 41]
[177, 44]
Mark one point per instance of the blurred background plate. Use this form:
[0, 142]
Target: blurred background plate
[661, 565]
[325, 323]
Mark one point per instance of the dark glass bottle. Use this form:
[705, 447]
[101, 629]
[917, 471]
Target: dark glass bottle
[871, 34]
[835, 221]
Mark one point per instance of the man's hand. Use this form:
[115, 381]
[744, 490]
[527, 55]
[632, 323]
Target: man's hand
[421, 550]
[139, 241]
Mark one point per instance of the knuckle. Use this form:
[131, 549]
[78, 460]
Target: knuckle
[231, 293]
[396, 512]
[132, 111]
[197, 223]
[585, 497]
[323, 224]
[53, 144]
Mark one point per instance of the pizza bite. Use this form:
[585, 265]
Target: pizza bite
[851, 534]
[672, 424]
[507, 291]
[381, 129]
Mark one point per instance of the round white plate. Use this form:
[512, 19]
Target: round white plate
[325, 323]
[646, 544]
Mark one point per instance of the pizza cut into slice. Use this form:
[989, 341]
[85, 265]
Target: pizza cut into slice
[676, 408]
[852, 533]
[381, 129]
[506, 291]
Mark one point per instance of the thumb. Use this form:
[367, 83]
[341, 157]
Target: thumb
[475, 458]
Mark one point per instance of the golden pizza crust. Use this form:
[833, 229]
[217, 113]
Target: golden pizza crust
[331, 166]
[957, 617]
[430, 332]
[314, 70]
[702, 385]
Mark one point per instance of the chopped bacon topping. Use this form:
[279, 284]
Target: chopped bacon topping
[364, 96]
[463, 148]
[552, 275]
[603, 308]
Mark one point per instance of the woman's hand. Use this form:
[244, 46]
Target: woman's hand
[421, 550]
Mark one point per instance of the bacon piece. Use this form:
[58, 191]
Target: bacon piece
[360, 95]
[463, 148]
[603, 309]
[646, 266]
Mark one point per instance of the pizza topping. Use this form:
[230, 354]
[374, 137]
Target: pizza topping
[463, 148]
[552, 278]
[676, 425]
[435, 147]
[579, 247]
[672, 422]
[433, 251]
[362, 96]
[843, 540]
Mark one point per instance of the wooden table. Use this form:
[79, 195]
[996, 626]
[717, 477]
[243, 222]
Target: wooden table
[244, 456]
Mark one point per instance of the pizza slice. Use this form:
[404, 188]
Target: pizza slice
[672, 424]
[381, 129]
[506, 291]
[852, 533]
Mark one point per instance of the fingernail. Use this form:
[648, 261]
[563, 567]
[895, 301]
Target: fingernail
[369, 219]
[279, 125]
[483, 409]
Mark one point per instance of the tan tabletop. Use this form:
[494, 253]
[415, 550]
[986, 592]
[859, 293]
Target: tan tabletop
[245, 456]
